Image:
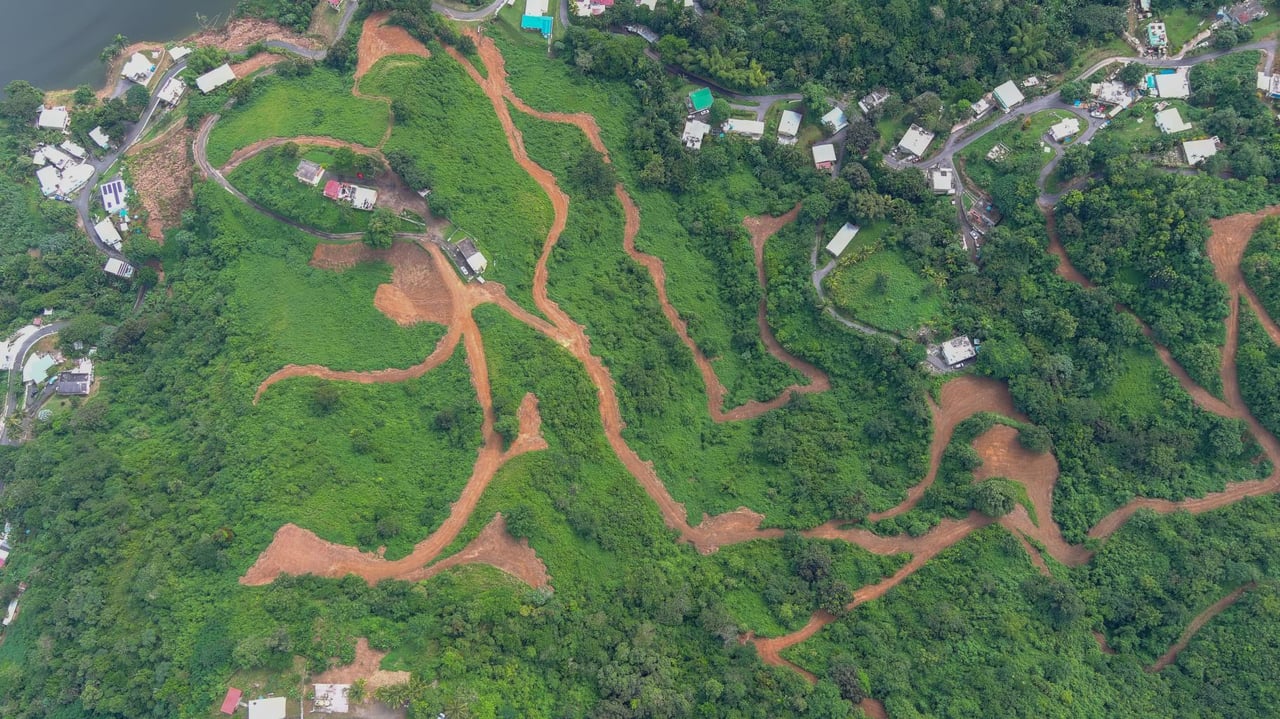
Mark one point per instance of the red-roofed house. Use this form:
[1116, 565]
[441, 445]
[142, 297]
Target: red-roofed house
[332, 189]
[231, 701]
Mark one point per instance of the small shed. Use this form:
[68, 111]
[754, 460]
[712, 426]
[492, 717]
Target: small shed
[1008, 95]
[700, 100]
[119, 268]
[824, 156]
[309, 173]
[835, 120]
[789, 127]
[99, 137]
[231, 701]
[842, 238]
[958, 350]
[215, 78]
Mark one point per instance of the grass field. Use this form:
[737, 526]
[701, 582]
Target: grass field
[1181, 24]
[1137, 389]
[1029, 150]
[320, 103]
[455, 138]
[882, 290]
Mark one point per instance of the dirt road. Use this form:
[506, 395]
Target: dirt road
[1201, 619]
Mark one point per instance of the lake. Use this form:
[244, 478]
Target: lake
[56, 44]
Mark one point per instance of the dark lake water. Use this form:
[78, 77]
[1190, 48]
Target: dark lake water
[55, 43]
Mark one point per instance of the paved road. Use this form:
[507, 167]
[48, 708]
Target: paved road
[10, 396]
[348, 12]
[480, 14]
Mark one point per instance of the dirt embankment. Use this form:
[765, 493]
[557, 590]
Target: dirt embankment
[367, 666]
[242, 32]
[245, 68]
[161, 170]
[379, 40]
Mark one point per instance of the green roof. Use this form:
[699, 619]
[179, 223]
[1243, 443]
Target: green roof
[701, 99]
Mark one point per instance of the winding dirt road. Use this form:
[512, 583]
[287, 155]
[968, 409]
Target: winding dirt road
[1201, 619]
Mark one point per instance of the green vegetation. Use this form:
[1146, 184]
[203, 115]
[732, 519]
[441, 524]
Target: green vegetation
[1261, 265]
[1259, 365]
[293, 14]
[448, 136]
[267, 179]
[318, 103]
[877, 286]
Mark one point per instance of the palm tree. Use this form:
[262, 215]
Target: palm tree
[1027, 47]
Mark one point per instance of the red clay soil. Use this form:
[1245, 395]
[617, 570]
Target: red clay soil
[378, 40]
[240, 33]
[1101, 639]
[247, 67]
[497, 548]
[367, 666]
[298, 551]
[1065, 269]
[1201, 619]
[873, 708]
[417, 291]
[161, 171]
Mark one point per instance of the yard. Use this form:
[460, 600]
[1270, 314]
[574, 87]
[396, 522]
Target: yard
[267, 179]
[1181, 24]
[881, 289]
[1029, 151]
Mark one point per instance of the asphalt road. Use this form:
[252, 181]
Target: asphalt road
[11, 396]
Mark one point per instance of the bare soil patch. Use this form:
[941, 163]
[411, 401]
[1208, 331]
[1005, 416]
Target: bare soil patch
[496, 547]
[242, 32]
[246, 68]
[161, 172]
[418, 290]
[378, 40]
[367, 666]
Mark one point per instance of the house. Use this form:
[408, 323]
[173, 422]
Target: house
[74, 150]
[942, 180]
[119, 268]
[99, 137]
[842, 238]
[1173, 85]
[957, 350]
[1170, 121]
[55, 157]
[75, 178]
[269, 708]
[53, 118]
[753, 129]
[108, 234]
[76, 382]
[694, 131]
[1008, 95]
[874, 100]
[980, 108]
[541, 23]
[231, 701]
[477, 262]
[916, 141]
[1031, 81]
[335, 4]
[48, 177]
[700, 100]
[824, 156]
[835, 120]
[1157, 35]
[363, 198]
[788, 127]
[536, 7]
[172, 91]
[215, 78]
[333, 190]
[1243, 13]
[178, 52]
[113, 196]
[139, 69]
[11, 613]
[1198, 151]
[1064, 129]
[309, 173]
[590, 8]
[332, 698]
[1112, 93]
[1269, 85]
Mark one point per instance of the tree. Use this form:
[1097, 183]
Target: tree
[85, 329]
[1132, 73]
[137, 97]
[719, 113]
[844, 673]
[1074, 90]
[861, 136]
[592, 176]
[1027, 46]
[995, 497]
[1035, 438]
[1225, 37]
[815, 97]
[21, 101]
[84, 95]
[381, 232]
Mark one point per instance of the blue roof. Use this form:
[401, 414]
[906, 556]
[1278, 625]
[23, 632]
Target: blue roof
[541, 23]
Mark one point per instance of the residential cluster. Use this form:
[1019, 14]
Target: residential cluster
[325, 699]
[587, 8]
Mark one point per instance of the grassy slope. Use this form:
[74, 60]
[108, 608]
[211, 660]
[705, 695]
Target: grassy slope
[268, 180]
[908, 301]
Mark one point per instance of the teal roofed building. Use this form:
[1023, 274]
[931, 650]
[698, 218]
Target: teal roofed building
[700, 100]
[541, 23]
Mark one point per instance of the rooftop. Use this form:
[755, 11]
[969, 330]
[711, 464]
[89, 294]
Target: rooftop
[1198, 151]
[957, 350]
[1174, 85]
[269, 708]
[751, 128]
[842, 238]
[53, 118]
[916, 141]
[701, 99]
[835, 120]
[1064, 128]
[824, 155]
[231, 700]
[309, 172]
[694, 131]
[215, 78]
[1008, 95]
[789, 125]
[1157, 36]
[1170, 121]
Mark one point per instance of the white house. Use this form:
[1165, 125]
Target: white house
[957, 350]
[835, 120]
[178, 52]
[74, 178]
[269, 708]
[48, 177]
[215, 78]
[55, 157]
[139, 69]
[916, 141]
[1170, 121]
[53, 118]
[842, 238]
[477, 262]
[1174, 85]
[873, 100]
[980, 108]
[172, 91]
[1198, 151]
[363, 198]
[74, 150]
[1064, 128]
[694, 131]
[119, 268]
[788, 127]
[1008, 95]
[942, 181]
[108, 234]
[536, 7]
[99, 137]
[824, 156]
[113, 196]
[753, 129]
